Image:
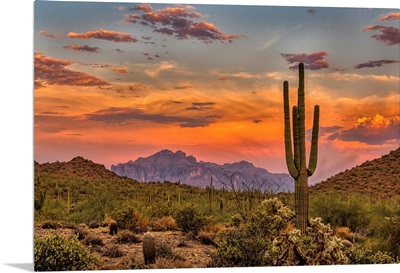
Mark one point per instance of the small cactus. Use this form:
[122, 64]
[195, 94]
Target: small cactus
[149, 248]
[113, 228]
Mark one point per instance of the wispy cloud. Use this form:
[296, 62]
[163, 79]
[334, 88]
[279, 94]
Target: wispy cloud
[179, 22]
[313, 61]
[187, 86]
[119, 70]
[50, 71]
[388, 35]
[84, 48]
[122, 115]
[390, 17]
[103, 34]
[49, 35]
[378, 63]
[201, 106]
[377, 130]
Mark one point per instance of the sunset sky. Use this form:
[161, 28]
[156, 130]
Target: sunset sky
[117, 81]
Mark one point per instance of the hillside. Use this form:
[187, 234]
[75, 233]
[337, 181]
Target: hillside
[376, 178]
[169, 166]
[77, 167]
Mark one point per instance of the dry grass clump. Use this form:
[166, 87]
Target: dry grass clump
[113, 252]
[164, 263]
[127, 237]
[166, 223]
[93, 240]
[208, 235]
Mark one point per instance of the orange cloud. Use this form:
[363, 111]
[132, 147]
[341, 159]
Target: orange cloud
[54, 71]
[102, 34]
[49, 35]
[377, 130]
[390, 16]
[119, 70]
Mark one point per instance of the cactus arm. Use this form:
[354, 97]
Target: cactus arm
[302, 117]
[296, 137]
[288, 138]
[312, 165]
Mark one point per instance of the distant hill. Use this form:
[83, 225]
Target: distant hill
[77, 167]
[169, 166]
[377, 178]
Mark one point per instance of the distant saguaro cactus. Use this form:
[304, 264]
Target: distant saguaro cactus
[149, 248]
[297, 163]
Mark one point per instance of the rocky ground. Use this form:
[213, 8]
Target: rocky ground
[175, 250]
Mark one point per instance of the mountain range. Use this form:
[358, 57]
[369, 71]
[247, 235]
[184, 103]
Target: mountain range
[178, 167]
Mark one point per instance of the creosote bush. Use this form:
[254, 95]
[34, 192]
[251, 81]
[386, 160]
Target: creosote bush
[58, 253]
[189, 219]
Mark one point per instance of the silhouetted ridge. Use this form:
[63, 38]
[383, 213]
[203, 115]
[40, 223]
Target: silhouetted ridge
[379, 177]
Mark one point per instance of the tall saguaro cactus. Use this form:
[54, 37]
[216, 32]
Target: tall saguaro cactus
[296, 161]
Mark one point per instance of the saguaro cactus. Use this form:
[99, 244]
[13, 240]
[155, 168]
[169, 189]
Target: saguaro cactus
[296, 162]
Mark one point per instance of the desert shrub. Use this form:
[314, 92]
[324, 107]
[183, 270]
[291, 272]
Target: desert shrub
[113, 252]
[363, 255]
[80, 233]
[164, 223]
[50, 224]
[189, 219]
[248, 241]
[208, 234]
[343, 211]
[127, 237]
[94, 224]
[58, 253]
[93, 240]
[127, 218]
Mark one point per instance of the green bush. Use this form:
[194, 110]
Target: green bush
[58, 253]
[127, 218]
[367, 256]
[341, 211]
[189, 219]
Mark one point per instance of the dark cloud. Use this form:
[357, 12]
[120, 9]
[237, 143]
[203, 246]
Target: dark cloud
[176, 102]
[136, 87]
[117, 115]
[119, 50]
[184, 87]
[379, 63]
[103, 34]
[257, 120]
[373, 131]
[179, 22]
[314, 61]
[49, 71]
[201, 106]
[390, 17]
[49, 35]
[223, 79]
[85, 48]
[312, 11]
[388, 35]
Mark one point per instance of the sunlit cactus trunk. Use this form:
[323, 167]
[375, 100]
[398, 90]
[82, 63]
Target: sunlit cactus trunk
[296, 161]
